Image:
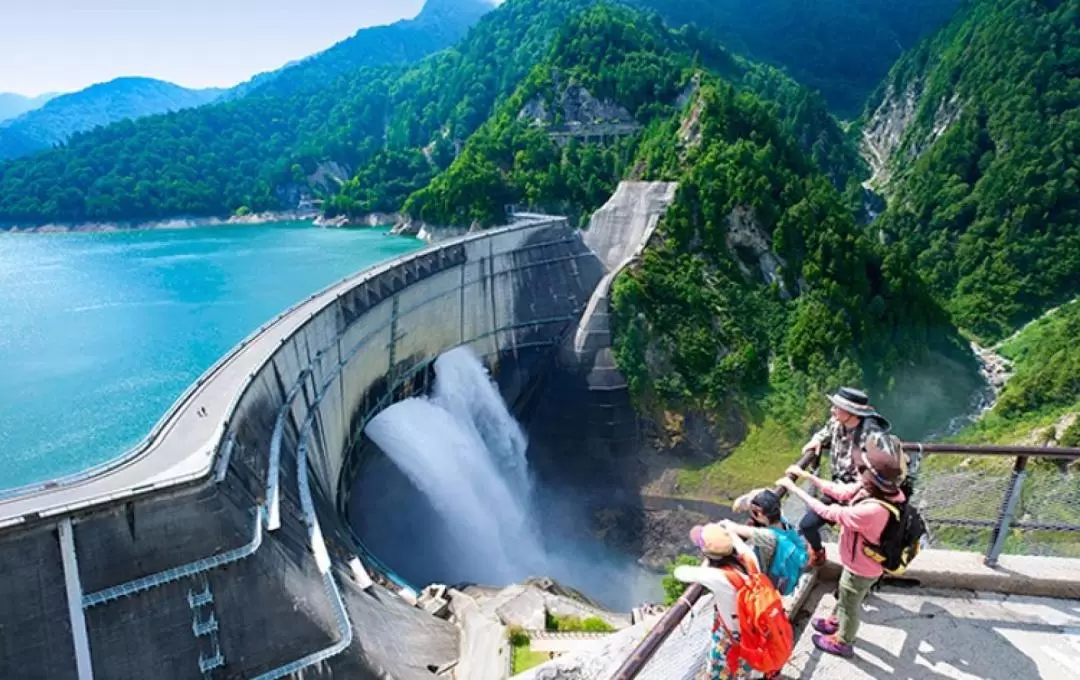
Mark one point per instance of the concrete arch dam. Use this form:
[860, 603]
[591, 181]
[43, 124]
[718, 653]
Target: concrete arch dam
[220, 547]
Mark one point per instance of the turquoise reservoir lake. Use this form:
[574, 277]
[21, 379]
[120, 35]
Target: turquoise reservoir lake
[101, 332]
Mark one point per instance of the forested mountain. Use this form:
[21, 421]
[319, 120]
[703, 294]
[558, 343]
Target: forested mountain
[279, 145]
[306, 129]
[976, 141]
[13, 105]
[608, 66]
[841, 47]
[440, 24]
[762, 290]
[97, 105]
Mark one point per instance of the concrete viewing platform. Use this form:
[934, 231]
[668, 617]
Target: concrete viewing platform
[951, 618]
[917, 634]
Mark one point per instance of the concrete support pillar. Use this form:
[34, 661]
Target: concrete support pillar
[75, 596]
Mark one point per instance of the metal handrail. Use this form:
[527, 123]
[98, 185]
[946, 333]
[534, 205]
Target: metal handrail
[1000, 528]
[635, 663]
[177, 573]
[994, 450]
[674, 616]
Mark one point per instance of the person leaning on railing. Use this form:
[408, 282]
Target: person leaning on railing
[852, 421]
[862, 521]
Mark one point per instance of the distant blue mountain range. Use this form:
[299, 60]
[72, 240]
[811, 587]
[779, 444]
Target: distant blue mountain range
[29, 125]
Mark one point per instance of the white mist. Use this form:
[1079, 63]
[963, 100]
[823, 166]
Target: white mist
[463, 450]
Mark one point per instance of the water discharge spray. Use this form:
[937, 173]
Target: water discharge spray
[466, 454]
[463, 449]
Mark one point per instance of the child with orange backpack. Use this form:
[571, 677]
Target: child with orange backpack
[751, 630]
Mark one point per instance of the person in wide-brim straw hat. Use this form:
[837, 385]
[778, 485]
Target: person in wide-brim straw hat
[880, 467]
[852, 420]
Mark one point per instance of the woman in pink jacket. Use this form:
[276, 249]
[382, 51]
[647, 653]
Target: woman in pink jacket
[861, 521]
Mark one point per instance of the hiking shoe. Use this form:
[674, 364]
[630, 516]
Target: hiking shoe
[830, 644]
[827, 626]
[817, 558]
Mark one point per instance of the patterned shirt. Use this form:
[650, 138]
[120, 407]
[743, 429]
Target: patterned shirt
[841, 443]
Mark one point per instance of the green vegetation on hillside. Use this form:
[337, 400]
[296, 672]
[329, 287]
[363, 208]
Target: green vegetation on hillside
[1047, 360]
[763, 291]
[615, 63]
[988, 209]
[606, 55]
[97, 105]
[310, 128]
[440, 24]
[841, 47]
[263, 150]
[1045, 385]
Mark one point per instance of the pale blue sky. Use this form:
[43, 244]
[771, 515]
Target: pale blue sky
[66, 45]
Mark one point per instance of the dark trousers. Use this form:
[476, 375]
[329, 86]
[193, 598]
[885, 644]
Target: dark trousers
[810, 526]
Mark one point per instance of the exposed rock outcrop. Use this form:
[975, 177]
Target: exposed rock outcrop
[328, 176]
[884, 132]
[885, 137]
[375, 219]
[431, 233]
[749, 244]
[577, 106]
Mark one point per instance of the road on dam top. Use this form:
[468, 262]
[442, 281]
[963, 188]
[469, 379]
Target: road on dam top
[182, 445]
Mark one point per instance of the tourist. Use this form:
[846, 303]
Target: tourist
[862, 521]
[779, 550]
[726, 551]
[852, 421]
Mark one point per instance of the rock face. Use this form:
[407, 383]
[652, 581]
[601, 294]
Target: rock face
[885, 140]
[885, 130]
[405, 225]
[577, 107]
[369, 220]
[329, 176]
[746, 239]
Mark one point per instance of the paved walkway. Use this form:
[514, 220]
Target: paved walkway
[930, 634]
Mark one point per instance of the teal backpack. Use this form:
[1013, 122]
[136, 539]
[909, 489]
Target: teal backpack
[790, 559]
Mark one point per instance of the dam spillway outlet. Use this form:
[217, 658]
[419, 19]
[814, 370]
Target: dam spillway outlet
[456, 502]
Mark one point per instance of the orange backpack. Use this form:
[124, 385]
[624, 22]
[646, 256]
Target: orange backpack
[765, 639]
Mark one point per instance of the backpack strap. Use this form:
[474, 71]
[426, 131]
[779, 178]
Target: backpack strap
[893, 509]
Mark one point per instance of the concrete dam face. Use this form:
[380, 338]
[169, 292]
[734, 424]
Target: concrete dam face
[239, 541]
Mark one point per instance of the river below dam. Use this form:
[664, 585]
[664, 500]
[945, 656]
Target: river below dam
[101, 332]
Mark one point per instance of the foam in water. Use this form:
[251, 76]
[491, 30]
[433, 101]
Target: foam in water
[464, 451]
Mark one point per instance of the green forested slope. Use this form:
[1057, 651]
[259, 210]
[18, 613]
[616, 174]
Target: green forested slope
[985, 193]
[263, 150]
[762, 292]
[841, 47]
[97, 105]
[841, 307]
[628, 68]
[260, 151]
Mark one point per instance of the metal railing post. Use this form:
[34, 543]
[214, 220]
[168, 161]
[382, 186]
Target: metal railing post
[1008, 509]
[636, 662]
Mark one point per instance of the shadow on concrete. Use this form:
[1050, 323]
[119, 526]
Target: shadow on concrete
[936, 644]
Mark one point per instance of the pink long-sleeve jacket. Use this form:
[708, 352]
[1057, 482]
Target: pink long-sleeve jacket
[859, 523]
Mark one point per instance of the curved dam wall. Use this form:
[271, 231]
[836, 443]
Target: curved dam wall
[252, 571]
